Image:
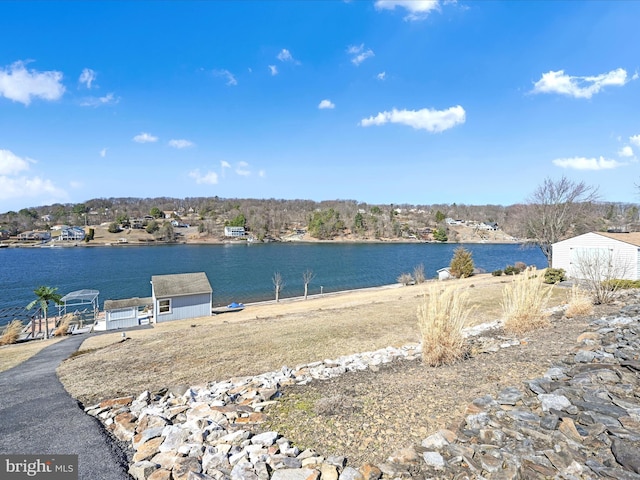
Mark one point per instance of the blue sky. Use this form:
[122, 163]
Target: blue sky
[383, 102]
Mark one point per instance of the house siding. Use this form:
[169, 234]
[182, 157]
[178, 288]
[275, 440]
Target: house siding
[122, 318]
[625, 254]
[186, 306]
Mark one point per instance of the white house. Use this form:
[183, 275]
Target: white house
[180, 296]
[125, 313]
[614, 255]
[234, 231]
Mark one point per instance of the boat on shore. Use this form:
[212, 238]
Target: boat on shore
[232, 307]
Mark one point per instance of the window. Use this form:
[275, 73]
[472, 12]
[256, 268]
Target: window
[164, 306]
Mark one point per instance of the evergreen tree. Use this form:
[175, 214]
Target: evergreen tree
[461, 265]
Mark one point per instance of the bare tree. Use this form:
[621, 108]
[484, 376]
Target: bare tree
[554, 209]
[278, 284]
[307, 278]
[598, 269]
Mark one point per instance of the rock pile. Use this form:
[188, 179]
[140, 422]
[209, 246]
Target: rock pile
[580, 420]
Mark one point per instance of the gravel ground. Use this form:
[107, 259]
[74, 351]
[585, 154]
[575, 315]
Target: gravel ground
[368, 415]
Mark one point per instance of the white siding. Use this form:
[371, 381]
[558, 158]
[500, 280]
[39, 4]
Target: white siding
[624, 255]
[121, 318]
[186, 306]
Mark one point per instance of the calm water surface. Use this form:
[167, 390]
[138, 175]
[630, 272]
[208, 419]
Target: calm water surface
[237, 272]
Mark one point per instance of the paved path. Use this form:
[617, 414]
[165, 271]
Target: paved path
[38, 416]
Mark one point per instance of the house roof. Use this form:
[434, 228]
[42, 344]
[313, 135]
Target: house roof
[180, 284]
[632, 238]
[127, 303]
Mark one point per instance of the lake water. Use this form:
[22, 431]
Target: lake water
[237, 272]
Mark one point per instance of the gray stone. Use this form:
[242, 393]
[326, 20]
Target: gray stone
[350, 473]
[434, 460]
[524, 416]
[509, 396]
[551, 401]
[584, 356]
[243, 471]
[141, 470]
[175, 436]
[549, 421]
[626, 455]
[266, 439]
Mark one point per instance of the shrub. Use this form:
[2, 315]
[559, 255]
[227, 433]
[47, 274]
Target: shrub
[11, 332]
[520, 267]
[510, 270]
[418, 274]
[440, 235]
[63, 325]
[113, 228]
[524, 301]
[554, 275]
[405, 279]
[461, 265]
[496, 273]
[441, 318]
[579, 303]
[620, 283]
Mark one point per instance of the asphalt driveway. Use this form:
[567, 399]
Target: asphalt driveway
[38, 416]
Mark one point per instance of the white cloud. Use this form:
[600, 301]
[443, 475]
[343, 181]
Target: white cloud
[76, 184]
[22, 85]
[87, 77]
[242, 168]
[434, 121]
[225, 164]
[103, 152]
[13, 186]
[579, 87]
[625, 151]
[273, 69]
[145, 137]
[635, 139]
[231, 80]
[635, 76]
[210, 178]
[381, 76]
[359, 54]
[418, 9]
[11, 164]
[180, 143]
[262, 174]
[583, 163]
[285, 56]
[324, 104]
[108, 99]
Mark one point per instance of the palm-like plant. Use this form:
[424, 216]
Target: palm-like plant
[45, 295]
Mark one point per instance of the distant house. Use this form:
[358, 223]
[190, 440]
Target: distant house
[4, 234]
[126, 313]
[615, 255]
[72, 233]
[444, 274]
[488, 226]
[181, 296]
[26, 236]
[46, 218]
[234, 232]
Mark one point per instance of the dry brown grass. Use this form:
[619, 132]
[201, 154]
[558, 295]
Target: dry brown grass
[12, 355]
[579, 303]
[441, 318]
[524, 302]
[261, 338]
[63, 326]
[11, 332]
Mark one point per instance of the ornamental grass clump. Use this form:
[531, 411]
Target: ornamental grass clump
[441, 317]
[524, 302]
[579, 303]
[63, 326]
[11, 332]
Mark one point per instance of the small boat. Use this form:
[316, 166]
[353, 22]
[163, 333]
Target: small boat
[4, 245]
[232, 307]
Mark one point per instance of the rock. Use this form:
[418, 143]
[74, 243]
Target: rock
[295, 474]
[509, 396]
[404, 456]
[434, 460]
[243, 471]
[370, 472]
[148, 450]
[142, 470]
[350, 473]
[166, 460]
[266, 439]
[140, 438]
[552, 401]
[160, 474]
[174, 437]
[183, 466]
[116, 402]
[584, 356]
[568, 428]
[124, 426]
[626, 454]
[328, 472]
